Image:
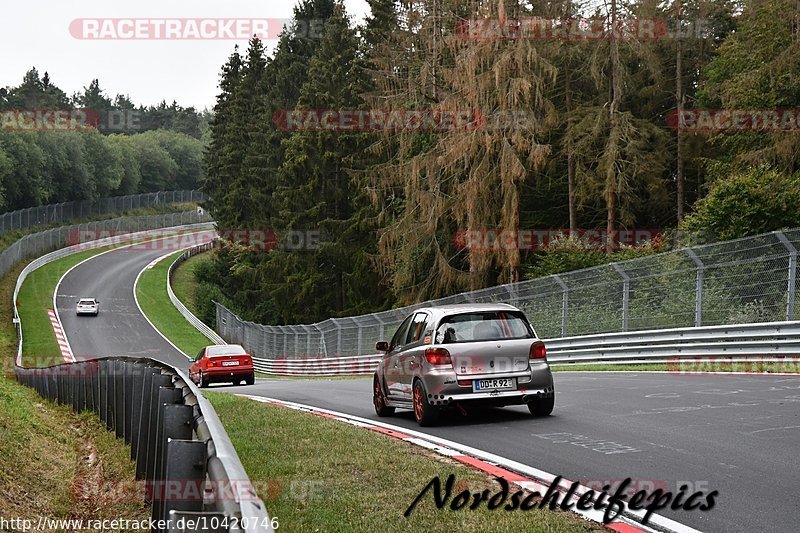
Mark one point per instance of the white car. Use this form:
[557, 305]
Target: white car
[88, 306]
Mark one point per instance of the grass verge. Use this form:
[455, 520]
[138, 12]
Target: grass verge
[316, 474]
[48, 453]
[696, 365]
[184, 283]
[34, 299]
[151, 290]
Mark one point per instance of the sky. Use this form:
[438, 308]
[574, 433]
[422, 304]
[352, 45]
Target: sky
[41, 33]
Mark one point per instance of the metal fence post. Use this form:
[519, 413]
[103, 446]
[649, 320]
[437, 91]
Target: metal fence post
[338, 338]
[792, 274]
[698, 306]
[564, 303]
[626, 287]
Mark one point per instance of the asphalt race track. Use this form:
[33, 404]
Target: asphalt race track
[120, 328]
[737, 434]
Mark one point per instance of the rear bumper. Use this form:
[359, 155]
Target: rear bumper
[228, 371]
[497, 397]
[444, 388]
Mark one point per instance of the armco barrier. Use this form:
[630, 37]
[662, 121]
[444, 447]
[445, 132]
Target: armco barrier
[774, 342]
[764, 342]
[188, 315]
[185, 465]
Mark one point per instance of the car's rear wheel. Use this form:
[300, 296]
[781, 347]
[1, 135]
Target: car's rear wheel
[203, 381]
[424, 412]
[542, 406]
[249, 380]
[379, 400]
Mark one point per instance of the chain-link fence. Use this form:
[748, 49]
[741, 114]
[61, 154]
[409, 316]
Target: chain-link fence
[733, 282]
[37, 244]
[54, 213]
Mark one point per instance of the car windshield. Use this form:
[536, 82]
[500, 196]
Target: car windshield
[233, 349]
[483, 326]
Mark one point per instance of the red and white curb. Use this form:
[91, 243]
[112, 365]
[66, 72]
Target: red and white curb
[63, 345]
[517, 474]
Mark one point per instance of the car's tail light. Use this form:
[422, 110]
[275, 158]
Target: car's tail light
[438, 356]
[212, 363]
[538, 351]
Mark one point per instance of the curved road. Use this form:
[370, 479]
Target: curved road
[737, 434]
[120, 328]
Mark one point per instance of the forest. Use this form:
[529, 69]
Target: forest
[50, 155]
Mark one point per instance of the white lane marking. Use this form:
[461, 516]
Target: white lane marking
[772, 429]
[606, 447]
[662, 523]
[136, 299]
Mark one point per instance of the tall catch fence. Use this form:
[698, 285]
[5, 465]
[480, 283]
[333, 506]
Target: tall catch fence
[54, 213]
[749, 280]
[37, 244]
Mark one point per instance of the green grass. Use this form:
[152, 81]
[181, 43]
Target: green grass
[35, 298]
[696, 365]
[184, 283]
[609, 367]
[316, 474]
[151, 290]
[46, 450]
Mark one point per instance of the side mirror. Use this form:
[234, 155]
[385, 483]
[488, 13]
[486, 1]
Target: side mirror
[382, 346]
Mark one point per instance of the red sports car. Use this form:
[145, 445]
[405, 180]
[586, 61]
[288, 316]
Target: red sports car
[222, 363]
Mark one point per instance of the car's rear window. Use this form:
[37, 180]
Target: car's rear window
[483, 326]
[232, 349]
[87, 302]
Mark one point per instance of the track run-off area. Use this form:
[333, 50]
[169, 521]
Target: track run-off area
[738, 434]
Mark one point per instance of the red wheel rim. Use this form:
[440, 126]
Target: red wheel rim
[418, 402]
[378, 396]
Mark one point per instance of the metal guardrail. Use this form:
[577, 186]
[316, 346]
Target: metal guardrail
[177, 438]
[753, 342]
[741, 281]
[772, 342]
[186, 466]
[188, 315]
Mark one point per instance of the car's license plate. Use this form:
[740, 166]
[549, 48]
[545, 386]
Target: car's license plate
[230, 363]
[495, 384]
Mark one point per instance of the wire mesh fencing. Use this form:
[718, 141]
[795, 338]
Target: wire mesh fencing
[55, 213]
[746, 280]
[40, 243]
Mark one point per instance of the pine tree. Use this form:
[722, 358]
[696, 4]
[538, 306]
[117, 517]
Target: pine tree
[216, 176]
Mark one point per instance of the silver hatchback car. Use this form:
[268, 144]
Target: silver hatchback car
[457, 355]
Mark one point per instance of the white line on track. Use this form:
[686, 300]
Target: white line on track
[492, 464]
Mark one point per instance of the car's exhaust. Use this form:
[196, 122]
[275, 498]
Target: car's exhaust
[439, 399]
[527, 398]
